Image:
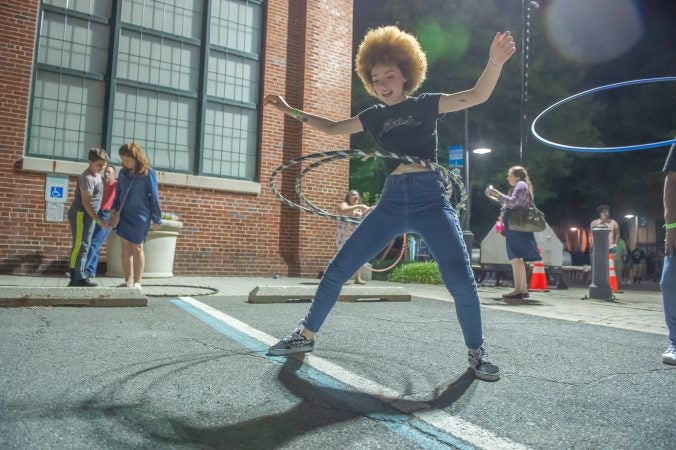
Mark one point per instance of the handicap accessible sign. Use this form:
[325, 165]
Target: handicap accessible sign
[56, 189]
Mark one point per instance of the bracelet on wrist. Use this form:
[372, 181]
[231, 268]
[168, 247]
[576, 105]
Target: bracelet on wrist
[670, 226]
[296, 114]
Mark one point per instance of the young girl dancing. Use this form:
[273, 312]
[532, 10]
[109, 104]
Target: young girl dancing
[392, 65]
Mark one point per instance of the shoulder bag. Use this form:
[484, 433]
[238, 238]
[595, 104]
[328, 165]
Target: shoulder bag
[529, 220]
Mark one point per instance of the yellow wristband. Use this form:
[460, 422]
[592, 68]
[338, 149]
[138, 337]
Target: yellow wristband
[670, 226]
[296, 114]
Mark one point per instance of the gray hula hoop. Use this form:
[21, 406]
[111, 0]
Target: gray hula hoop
[454, 185]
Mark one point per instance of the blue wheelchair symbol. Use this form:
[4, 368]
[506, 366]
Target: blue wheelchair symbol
[56, 192]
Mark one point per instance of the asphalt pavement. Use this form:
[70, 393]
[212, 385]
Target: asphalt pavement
[190, 371]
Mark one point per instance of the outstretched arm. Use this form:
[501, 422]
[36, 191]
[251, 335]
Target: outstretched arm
[328, 126]
[502, 48]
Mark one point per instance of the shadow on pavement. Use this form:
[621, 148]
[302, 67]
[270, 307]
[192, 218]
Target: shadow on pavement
[320, 406]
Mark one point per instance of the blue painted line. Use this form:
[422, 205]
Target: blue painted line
[415, 430]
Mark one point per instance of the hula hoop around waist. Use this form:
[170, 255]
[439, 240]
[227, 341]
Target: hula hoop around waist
[451, 179]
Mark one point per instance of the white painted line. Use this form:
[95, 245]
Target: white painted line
[466, 431]
[437, 418]
[234, 323]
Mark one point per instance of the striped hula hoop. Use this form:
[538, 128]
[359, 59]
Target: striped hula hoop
[451, 179]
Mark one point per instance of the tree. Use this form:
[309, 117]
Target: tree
[455, 35]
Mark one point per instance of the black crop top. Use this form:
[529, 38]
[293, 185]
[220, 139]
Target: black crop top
[407, 128]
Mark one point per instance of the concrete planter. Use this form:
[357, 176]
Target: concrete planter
[159, 248]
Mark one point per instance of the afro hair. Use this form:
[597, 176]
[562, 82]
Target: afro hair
[390, 45]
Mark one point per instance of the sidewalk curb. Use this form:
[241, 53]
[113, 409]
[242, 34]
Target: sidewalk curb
[69, 296]
[286, 294]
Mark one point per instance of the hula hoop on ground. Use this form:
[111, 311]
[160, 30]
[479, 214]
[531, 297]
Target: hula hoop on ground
[625, 148]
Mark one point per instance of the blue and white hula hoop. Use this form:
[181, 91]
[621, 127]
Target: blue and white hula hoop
[625, 148]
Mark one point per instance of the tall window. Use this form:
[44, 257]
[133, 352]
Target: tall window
[181, 77]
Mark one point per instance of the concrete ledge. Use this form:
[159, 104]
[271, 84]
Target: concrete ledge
[71, 296]
[287, 294]
[74, 168]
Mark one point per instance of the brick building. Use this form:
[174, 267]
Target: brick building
[185, 79]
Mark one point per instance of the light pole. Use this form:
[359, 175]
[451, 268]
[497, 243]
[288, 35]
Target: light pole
[467, 233]
[526, 6]
[465, 146]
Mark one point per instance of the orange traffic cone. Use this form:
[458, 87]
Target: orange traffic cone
[538, 279]
[612, 277]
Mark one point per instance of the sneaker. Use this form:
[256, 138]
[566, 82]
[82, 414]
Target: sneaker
[137, 286]
[293, 343]
[479, 362]
[669, 357]
[82, 283]
[130, 284]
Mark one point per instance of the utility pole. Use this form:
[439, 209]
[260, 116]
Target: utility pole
[467, 234]
[526, 6]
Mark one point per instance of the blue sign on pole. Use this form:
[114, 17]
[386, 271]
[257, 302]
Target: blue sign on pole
[455, 156]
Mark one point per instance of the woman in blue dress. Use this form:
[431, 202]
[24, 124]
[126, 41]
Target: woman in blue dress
[138, 201]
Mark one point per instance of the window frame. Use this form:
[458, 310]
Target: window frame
[112, 82]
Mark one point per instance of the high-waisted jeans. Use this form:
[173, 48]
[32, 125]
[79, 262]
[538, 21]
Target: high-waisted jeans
[414, 202]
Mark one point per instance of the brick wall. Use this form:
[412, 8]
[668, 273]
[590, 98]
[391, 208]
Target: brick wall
[224, 233]
[24, 237]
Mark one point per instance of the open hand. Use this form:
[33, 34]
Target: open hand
[502, 48]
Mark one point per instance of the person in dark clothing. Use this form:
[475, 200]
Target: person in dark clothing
[668, 281]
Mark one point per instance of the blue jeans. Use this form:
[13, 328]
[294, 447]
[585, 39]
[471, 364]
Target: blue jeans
[668, 285]
[410, 202]
[98, 238]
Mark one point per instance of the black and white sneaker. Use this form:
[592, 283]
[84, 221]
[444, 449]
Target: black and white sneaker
[293, 343]
[479, 362]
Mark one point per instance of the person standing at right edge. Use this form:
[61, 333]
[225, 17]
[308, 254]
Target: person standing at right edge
[668, 282]
[391, 66]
